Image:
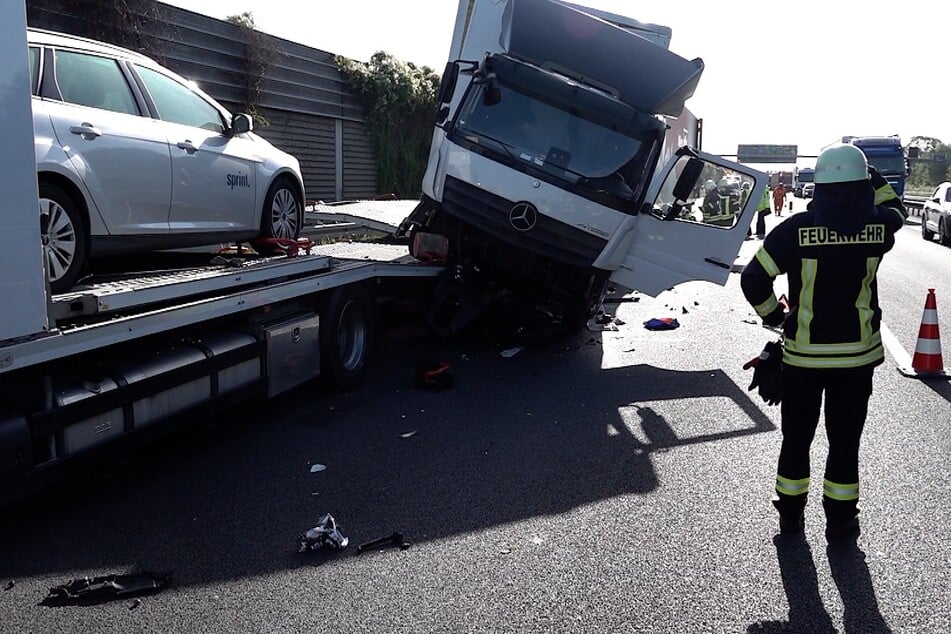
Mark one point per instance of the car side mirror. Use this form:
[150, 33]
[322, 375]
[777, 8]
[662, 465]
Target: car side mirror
[241, 123]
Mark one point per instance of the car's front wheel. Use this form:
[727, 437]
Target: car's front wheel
[63, 235]
[282, 216]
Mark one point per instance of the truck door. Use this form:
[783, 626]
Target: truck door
[702, 209]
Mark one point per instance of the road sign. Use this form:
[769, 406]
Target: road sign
[766, 153]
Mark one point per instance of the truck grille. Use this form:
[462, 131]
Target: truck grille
[549, 238]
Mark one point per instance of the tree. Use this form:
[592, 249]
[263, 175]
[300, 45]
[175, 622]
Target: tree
[933, 164]
[258, 57]
[132, 24]
[400, 103]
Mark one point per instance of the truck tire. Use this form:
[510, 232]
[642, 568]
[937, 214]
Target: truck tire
[64, 237]
[347, 335]
[926, 233]
[282, 215]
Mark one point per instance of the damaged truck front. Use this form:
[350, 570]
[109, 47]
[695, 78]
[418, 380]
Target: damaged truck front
[545, 177]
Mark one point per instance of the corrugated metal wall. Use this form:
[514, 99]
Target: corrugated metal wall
[304, 98]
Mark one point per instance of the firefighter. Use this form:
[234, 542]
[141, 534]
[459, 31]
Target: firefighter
[762, 210]
[832, 344]
[720, 205]
[779, 198]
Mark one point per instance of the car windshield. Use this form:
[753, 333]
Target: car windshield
[562, 146]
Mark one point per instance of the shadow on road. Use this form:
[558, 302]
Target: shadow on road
[854, 582]
[228, 500]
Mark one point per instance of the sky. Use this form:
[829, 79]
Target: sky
[801, 73]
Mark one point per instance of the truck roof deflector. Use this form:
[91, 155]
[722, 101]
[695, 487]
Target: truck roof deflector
[645, 75]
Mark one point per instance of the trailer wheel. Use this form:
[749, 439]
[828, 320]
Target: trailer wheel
[64, 237]
[347, 335]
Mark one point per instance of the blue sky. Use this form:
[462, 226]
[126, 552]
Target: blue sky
[800, 73]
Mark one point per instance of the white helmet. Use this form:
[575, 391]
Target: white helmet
[710, 185]
[841, 163]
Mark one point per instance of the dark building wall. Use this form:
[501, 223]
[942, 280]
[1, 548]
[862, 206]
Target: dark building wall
[304, 99]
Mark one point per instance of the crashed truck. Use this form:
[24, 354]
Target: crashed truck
[554, 172]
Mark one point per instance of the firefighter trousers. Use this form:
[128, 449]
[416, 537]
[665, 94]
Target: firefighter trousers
[847, 392]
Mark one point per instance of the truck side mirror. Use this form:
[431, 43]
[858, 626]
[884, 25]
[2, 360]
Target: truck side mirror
[447, 85]
[491, 94]
[441, 115]
[688, 179]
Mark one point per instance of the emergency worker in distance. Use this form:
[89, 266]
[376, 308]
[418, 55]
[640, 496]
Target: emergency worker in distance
[832, 344]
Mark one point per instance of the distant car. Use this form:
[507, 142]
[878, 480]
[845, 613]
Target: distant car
[936, 215]
[808, 189]
[132, 157]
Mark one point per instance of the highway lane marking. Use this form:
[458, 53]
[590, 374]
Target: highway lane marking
[890, 341]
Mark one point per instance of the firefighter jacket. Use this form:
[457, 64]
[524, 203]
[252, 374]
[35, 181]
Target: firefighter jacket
[720, 207]
[831, 254]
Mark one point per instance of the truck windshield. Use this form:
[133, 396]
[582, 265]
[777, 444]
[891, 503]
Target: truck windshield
[593, 158]
[892, 164]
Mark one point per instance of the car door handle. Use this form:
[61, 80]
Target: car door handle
[188, 146]
[86, 130]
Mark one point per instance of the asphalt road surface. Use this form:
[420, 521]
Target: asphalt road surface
[615, 481]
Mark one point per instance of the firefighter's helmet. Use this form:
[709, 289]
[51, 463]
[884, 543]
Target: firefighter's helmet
[710, 185]
[842, 163]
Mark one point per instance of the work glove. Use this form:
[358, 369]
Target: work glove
[768, 373]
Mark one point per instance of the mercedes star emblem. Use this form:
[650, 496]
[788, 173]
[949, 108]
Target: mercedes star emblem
[523, 216]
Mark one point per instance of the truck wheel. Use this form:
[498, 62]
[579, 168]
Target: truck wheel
[926, 233]
[282, 215]
[64, 237]
[347, 334]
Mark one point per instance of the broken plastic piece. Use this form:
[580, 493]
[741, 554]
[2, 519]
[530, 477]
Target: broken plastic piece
[106, 587]
[318, 467]
[394, 539]
[408, 434]
[433, 375]
[511, 352]
[324, 534]
[662, 323]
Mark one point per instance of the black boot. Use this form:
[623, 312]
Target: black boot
[792, 519]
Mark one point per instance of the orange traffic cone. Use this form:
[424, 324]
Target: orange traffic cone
[927, 362]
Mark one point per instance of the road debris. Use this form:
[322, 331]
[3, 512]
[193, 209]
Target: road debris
[104, 588]
[511, 352]
[433, 375]
[10, 585]
[408, 434]
[324, 534]
[662, 323]
[394, 539]
[318, 468]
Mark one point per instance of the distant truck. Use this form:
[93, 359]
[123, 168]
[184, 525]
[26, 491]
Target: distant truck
[800, 178]
[887, 155]
[553, 121]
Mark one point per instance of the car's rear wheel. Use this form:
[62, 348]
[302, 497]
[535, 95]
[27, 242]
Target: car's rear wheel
[944, 232]
[282, 216]
[64, 237]
[926, 233]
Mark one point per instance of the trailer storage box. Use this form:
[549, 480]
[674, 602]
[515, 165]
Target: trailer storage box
[240, 373]
[293, 353]
[94, 429]
[16, 446]
[165, 367]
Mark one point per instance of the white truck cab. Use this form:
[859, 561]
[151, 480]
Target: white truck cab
[551, 129]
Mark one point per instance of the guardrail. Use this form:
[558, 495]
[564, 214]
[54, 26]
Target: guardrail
[914, 204]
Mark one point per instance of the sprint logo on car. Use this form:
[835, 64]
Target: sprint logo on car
[238, 180]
